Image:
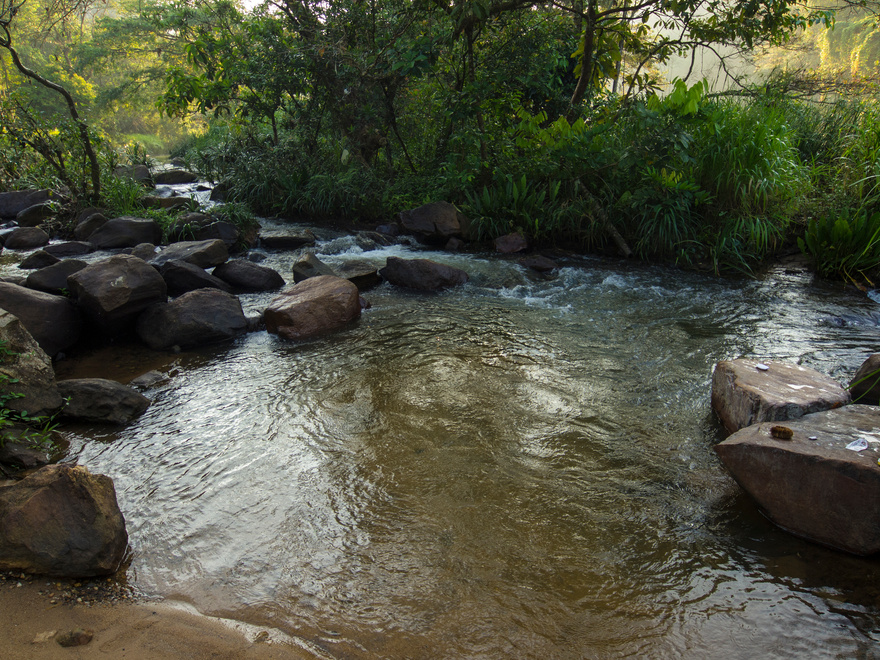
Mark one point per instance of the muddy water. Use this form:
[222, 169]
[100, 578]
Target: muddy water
[518, 468]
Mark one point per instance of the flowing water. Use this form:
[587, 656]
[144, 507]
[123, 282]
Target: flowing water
[519, 468]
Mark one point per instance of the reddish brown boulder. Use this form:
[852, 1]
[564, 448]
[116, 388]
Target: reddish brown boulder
[422, 274]
[313, 307]
[746, 392]
[812, 485]
[62, 521]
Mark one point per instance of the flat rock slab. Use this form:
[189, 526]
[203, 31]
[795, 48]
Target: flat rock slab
[814, 488]
[289, 240]
[743, 393]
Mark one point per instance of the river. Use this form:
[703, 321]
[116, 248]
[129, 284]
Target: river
[518, 468]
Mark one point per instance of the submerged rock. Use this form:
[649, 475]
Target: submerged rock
[746, 392]
[61, 521]
[422, 274]
[810, 484]
[511, 243]
[101, 400]
[313, 307]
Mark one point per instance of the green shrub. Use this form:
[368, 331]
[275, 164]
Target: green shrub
[845, 245]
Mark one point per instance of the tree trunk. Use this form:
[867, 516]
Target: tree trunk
[71, 108]
[586, 76]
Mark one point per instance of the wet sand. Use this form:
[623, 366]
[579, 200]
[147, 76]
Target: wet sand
[128, 630]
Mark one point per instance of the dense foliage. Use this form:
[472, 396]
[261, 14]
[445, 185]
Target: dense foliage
[548, 119]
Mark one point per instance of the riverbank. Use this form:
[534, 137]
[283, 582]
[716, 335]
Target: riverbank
[133, 631]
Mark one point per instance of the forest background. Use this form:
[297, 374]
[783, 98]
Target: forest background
[555, 119]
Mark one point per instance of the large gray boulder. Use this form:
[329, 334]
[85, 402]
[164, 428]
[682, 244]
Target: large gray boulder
[53, 279]
[13, 203]
[61, 521]
[53, 321]
[204, 254]
[804, 478]
[26, 238]
[125, 231]
[244, 275]
[747, 391]
[313, 307]
[26, 370]
[422, 274]
[437, 221]
[100, 400]
[113, 292]
[182, 277]
[205, 316]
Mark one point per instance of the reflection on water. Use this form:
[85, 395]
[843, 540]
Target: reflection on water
[519, 468]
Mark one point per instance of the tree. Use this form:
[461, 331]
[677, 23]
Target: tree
[39, 140]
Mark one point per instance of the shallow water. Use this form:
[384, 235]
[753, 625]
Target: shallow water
[521, 467]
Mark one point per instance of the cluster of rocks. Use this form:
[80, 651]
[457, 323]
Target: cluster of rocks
[803, 450]
[61, 520]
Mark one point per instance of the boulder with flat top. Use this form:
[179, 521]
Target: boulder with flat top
[805, 479]
[203, 316]
[422, 274]
[749, 391]
[101, 400]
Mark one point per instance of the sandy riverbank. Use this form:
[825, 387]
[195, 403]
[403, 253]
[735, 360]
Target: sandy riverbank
[134, 631]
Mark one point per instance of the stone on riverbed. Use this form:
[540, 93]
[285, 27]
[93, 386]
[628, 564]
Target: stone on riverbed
[244, 275]
[27, 368]
[313, 307]
[53, 279]
[38, 259]
[53, 321]
[310, 266]
[814, 488]
[422, 274]
[865, 385]
[26, 238]
[113, 292]
[204, 316]
[182, 277]
[101, 400]
[745, 393]
[61, 521]
[436, 221]
[286, 240]
[125, 231]
[204, 254]
[363, 274]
